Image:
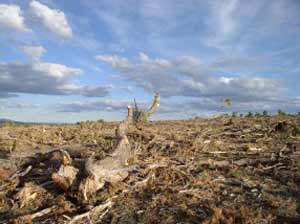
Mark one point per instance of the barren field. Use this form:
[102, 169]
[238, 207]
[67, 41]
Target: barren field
[221, 170]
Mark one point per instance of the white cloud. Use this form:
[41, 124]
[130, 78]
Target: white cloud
[57, 71]
[113, 60]
[11, 17]
[43, 78]
[53, 19]
[188, 77]
[34, 52]
[106, 105]
[23, 105]
[115, 105]
[173, 109]
[160, 62]
[7, 95]
[225, 16]
[222, 22]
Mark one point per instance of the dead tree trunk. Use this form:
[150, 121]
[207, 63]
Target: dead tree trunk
[154, 105]
[139, 115]
[110, 169]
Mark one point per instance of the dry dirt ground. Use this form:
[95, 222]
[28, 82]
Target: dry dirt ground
[221, 170]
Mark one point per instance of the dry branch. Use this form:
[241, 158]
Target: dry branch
[155, 104]
[22, 174]
[99, 208]
[42, 212]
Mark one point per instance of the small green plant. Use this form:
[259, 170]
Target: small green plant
[257, 114]
[281, 113]
[250, 114]
[10, 124]
[234, 114]
[265, 113]
[101, 121]
[227, 102]
[235, 174]
[140, 115]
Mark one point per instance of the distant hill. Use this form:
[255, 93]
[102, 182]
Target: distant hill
[3, 120]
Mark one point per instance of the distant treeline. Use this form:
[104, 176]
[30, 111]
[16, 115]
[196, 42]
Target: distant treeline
[264, 113]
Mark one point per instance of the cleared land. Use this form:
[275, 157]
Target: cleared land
[222, 170]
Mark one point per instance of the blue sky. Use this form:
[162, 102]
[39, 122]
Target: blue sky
[65, 61]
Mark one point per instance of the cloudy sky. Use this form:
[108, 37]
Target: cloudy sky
[65, 61]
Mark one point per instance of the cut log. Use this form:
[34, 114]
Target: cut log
[65, 177]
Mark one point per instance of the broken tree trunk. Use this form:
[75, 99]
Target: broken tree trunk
[110, 169]
[154, 105]
[139, 115]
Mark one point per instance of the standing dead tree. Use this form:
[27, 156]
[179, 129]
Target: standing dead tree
[140, 115]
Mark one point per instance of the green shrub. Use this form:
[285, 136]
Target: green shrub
[280, 112]
[10, 124]
[101, 121]
[250, 114]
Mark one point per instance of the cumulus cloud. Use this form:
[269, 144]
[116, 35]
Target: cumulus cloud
[18, 105]
[53, 19]
[188, 77]
[192, 107]
[223, 23]
[34, 52]
[223, 12]
[113, 60]
[115, 105]
[43, 78]
[107, 105]
[7, 95]
[237, 63]
[11, 16]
